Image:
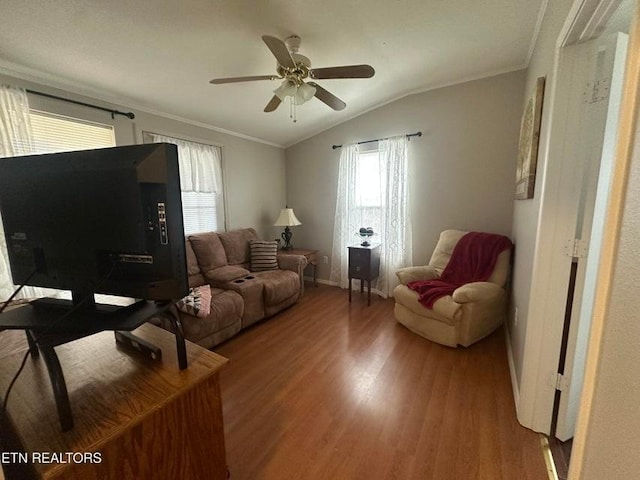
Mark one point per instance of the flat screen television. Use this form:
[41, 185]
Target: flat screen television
[96, 221]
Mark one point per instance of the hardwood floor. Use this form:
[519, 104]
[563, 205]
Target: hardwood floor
[332, 390]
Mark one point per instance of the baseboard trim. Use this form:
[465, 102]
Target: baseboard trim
[512, 368]
[336, 284]
[321, 281]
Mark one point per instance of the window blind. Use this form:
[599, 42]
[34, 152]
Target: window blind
[56, 133]
[199, 212]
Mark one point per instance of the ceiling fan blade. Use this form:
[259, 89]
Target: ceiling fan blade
[348, 71]
[280, 51]
[328, 97]
[217, 81]
[273, 104]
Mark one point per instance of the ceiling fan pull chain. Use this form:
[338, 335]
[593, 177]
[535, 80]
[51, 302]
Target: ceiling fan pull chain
[292, 109]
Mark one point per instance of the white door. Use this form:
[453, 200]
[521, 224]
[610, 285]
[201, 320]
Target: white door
[603, 73]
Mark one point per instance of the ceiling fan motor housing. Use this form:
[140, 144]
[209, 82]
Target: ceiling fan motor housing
[293, 43]
[303, 64]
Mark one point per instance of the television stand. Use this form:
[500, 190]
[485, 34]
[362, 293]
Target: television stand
[49, 328]
[145, 419]
[97, 308]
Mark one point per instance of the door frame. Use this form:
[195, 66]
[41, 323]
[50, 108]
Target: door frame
[550, 272]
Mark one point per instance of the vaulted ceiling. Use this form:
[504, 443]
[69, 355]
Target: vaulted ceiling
[159, 56]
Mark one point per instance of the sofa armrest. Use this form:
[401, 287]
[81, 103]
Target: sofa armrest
[415, 274]
[296, 264]
[476, 292]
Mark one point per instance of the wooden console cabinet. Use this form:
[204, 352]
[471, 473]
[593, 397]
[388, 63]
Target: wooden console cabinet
[146, 419]
[364, 264]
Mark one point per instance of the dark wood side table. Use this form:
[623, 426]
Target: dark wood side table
[364, 264]
[312, 259]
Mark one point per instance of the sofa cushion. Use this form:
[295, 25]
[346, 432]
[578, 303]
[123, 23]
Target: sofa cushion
[225, 274]
[264, 255]
[501, 270]
[197, 302]
[223, 321]
[279, 285]
[196, 278]
[209, 250]
[226, 306]
[236, 245]
[442, 253]
[252, 291]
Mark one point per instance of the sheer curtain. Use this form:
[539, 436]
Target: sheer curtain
[197, 173]
[15, 139]
[201, 184]
[372, 192]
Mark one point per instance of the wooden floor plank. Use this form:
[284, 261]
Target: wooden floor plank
[333, 390]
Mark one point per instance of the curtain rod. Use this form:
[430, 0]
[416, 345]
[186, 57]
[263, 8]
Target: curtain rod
[409, 135]
[130, 115]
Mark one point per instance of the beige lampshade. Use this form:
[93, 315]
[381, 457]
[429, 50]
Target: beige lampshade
[287, 218]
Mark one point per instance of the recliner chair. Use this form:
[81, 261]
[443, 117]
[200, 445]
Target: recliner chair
[472, 312]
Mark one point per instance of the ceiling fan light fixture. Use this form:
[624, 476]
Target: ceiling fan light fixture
[287, 89]
[304, 94]
[294, 69]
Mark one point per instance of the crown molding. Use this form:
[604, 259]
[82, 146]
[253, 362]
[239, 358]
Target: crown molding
[75, 88]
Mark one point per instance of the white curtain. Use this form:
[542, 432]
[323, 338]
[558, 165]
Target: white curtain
[196, 173]
[346, 222]
[373, 192]
[15, 139]
[396, 247]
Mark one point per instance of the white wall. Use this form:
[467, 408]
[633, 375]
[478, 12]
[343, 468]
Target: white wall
[526, 212]
[462, 169]
[254, 172]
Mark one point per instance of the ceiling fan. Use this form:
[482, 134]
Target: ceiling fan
[294, 69]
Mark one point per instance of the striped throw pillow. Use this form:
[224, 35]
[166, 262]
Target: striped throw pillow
[264, 255]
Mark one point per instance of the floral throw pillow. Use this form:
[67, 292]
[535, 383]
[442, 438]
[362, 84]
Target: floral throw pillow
[197, 303]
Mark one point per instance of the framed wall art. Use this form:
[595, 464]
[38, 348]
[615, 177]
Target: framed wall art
[528, 145]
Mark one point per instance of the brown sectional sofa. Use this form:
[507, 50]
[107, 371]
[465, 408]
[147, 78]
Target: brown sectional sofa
[239, 297]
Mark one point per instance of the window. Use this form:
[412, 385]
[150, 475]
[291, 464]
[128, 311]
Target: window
[52, 133]
[200, 182]
[56, 133]
[199, 212]
[370, 187]
[372, 192]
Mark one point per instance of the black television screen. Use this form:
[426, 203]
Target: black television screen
[96, 221]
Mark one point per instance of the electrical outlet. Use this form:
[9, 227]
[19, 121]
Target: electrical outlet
[515, 317]
[325, 259]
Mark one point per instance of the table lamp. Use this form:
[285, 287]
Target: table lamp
[287, 219]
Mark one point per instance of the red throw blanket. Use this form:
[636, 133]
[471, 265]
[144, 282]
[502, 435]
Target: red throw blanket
[473, 260]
